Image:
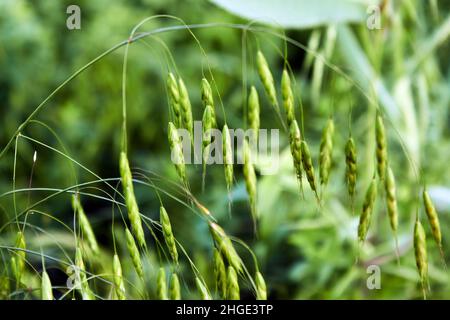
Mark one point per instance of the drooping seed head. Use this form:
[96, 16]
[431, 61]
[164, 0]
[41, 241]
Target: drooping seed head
[46, 287]
[225, 246]
[296, 149]
[168, 234]
[351, 169]
[250, 179]
[177, 156]
[381, 146]
[220, 274]
[233, 292]
[119, 287]
[366, 215]
[307, 165]
[202, 290]
[207, 125]
[266, 78]
[83, 286]
[261, 290]
[186, 109]
[18, 259]
[161, 285]
[288, 97]
[134, 253]
[391, 199]
[227, 156]
[254, 112]
[174, 290]
[174, 98]
[208, 100]
[326, 151]
[433, 218]
[420, 250]
[85, 225]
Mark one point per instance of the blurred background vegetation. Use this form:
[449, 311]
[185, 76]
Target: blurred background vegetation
[302, 253]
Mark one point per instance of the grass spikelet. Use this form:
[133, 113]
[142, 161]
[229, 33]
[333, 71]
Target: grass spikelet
[366, 215]
[296, 151]
[174, 98]
[186, 109]
[168, 234]
[227, 157]
[119, 287]
[208, 100]
[177, 156]
[220, 274]
[433, 219]
[225, 246]
[134, 253]
[83, 287]
[391, 201]
[261, 289]
[308, 167]
[288, 97]
[18, 259]
[420, 250]
[232, 284]
[130, 200]
[326, 151]
[250, 180]
[266, 78]
[206, 138]
[202, 290]
[253, 112]
[174, 290]
[350, 172]
[46, 287]
[161, 285]
[381, 147]
[85, 225]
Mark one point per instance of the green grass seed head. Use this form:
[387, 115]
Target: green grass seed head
[174, 290]
[420, 250]
[227, 156]
[296, 149]
[119, 287]
[177, 152]
[433, 219]
[220, 273]
[351, 169]
[83, 286]
[250, 179]
[391, 199]
[326, 151]
[168, 234]
[288, 97]
[85, 225]
[261, 289]
[308, 166]
[207, 125]
[381, 146]
[174, 98]
[266, 78]
[134, 253]
[254, 112]
[208, 100]
[202, 290]
[19, 256]
[366, 215]
[233, 292]
[46, 287]
[186, 109]
[161, 285]
[225, 246]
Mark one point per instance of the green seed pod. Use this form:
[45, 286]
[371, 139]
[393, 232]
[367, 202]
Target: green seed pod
[85, 225]
[391, 199]
[174, 98]
[381, 148]
[261, 290]
[326, 151]
[266, 78]
[433, 219]
[225, 246]
[83, 286]
[366, 215]
[420, 250]
[232, 284]
[186, 109]
[134, 253]
[350, 173]
[168, 234]
[18, 260]
[253, 112]
[308, 166]
[250, 179]
[46, 287]
[208, 100]
[161, 285]
[206, 136]
[296, 150]
[288, 97]
[227, 157]
[202, 290]
[119, 287]
[130, 200]
[174, 291]
[177, 156]
[220, 274]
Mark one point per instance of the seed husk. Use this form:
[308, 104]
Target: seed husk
[253, 113]
[308, 167]
[351, 169]
[296, 151]
[186, 109]
[326, 151]
[206, 138]
[391, 200]
[433, 219]
[366, 215]
[177, 152]
[208, 100]
[161, 285]
[225, 246]
[134, 253]
[85, 225]
[227, 157]
[174, 98]
[232, 284]
[202, 290]
[18, 260]
[174, 290]
[261, 289]
[250, 180]
[130, 200]
[420, 250]
[220, 274]
[119, 286]
[46, 287]
[168, 234]
[381, 146]
[83, 287]
[288, 97]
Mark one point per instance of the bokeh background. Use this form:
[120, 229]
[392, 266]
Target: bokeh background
[303, 252]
